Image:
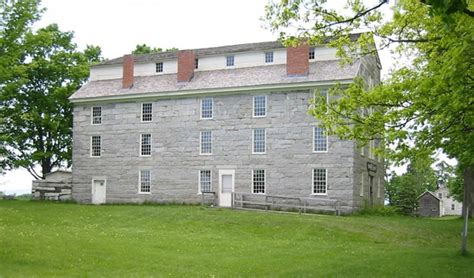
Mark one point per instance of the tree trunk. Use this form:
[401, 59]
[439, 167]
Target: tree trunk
[468, 175]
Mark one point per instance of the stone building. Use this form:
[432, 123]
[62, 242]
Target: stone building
[165, 127]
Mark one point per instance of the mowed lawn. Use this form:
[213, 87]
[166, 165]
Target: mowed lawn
[53, 239]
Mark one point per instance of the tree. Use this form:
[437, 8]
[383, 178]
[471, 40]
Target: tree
[145, 49]
[424, 106]
[42, 69]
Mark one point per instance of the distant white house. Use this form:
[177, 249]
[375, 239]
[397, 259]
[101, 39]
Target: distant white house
[448, 205]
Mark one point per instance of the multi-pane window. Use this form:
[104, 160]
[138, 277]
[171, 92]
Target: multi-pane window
[95, 146]
[145, 181]
[259, 140]
[311, 53]
[206, 142]
[320, 143]
[319, 181]
[205, 184]
[453, 206]
[96, 115]
[159, 67]
[259, 106]
[258, 181]
[145, 144]
[269, 57]
[196, 63]
[206, 108]
[147, 112]
[229, 60]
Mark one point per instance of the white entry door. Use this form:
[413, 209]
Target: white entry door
[226, 187]
[98, 191]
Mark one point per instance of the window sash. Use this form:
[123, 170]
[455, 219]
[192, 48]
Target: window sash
[269, 57]
[311, 53]
[259, 140]
[145, 181]
[320, 143]
[147, 112]
[207, 106]
[96, 115]
[205, 181]
[145, 144]
[319, 181]
[229, 60]
[206, 142]
[258, 181]
[95, 146]
[159, 67]
[259, 106]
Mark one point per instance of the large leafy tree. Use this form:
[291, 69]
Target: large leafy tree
[146, 49]
[427, 103]
[39, 71]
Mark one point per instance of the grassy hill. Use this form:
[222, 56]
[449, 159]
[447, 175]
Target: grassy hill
[53, 239]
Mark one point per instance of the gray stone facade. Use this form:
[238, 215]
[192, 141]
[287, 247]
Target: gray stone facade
[176, 160]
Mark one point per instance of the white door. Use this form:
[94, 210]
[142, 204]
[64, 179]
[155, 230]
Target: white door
[226, 187]
[98, 192]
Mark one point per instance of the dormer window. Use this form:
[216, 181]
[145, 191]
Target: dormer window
[159, 67]
[269, 57]
[229, 60]
[311, 53]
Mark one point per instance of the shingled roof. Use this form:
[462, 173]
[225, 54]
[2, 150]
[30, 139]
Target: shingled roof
[240, 78]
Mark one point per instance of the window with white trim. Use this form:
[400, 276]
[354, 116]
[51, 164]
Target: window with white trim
[258, 181]
[205, 181]
[311, 53]
[229, 60]
[206, 108]
[145, 181]
[320, 181]
[145, 144]
[147, 112]
[269, 57]
[159, 67]
[96, 115]
[95, 145]
[206, 142]
[258, 138]
[260, 106]
[453, 206]
[320, 143]
[362, 184]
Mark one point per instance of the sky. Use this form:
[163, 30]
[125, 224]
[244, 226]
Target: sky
[117, 26]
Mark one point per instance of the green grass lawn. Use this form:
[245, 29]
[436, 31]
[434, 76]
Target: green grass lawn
[53, 239]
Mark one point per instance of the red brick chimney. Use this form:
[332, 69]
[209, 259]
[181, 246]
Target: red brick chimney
[127, 77]
[186, 60]
[297, 60]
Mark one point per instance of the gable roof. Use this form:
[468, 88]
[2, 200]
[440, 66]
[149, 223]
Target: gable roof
[226, 79]
[430, 193]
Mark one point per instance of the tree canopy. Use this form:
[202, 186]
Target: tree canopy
[145, 49]
[39, 70]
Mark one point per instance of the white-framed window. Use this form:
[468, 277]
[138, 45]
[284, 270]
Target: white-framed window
[145, 144]
[159, 67]
[147, 112]
[144, 181]
[205, 181]
[453, 206]
[96, 115]
[207, 105]
[269, 57]
[260, 106]
[206, 142]
[320, 181]
[320, 140]
[258, 181]
[311, 53]
[362, 185]
[229, 60]
[258, 138]
[95, 146]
